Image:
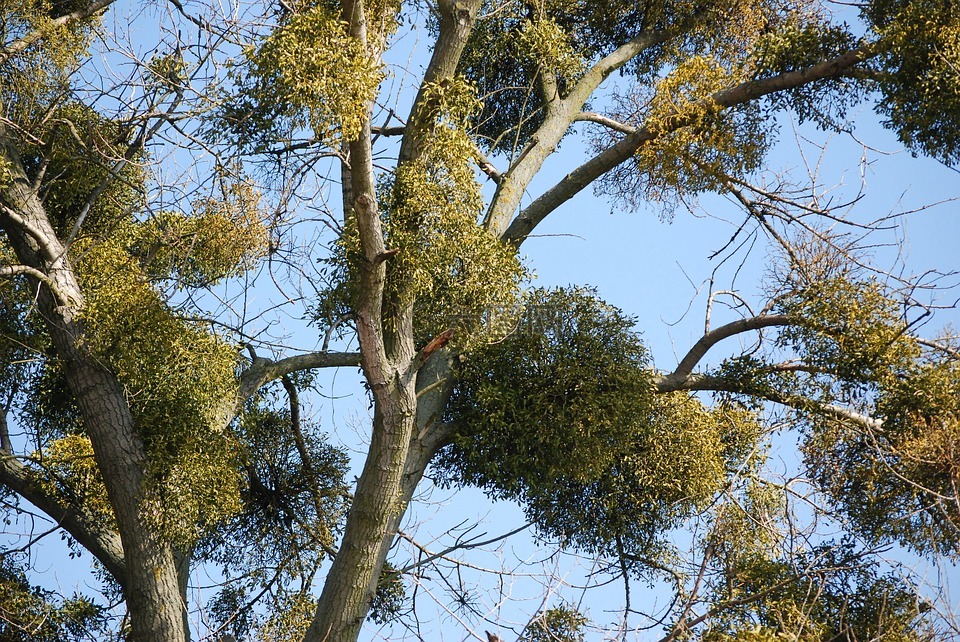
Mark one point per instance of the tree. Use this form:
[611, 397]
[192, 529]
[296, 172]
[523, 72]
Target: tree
[141, 417]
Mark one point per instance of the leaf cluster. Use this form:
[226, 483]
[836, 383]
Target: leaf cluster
[176, 376]
[893, 475]
[77, 159]
[712, 144]
[309, 72]
[514, 43]
[31, 614]
[219, 239]
[69, 472]
[291, 506]
[562, 416]
[917, 72]
[829, 593]
[558, 624]
[799, 41]
[456, 273]
[897, 482]
[38, 76]
[849, 328]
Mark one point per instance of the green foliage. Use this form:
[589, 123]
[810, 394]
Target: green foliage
[897, 481]
[37, 77]
[292, 513]
[6, 173]
[892, 477]
[746, 526]
[714, 143]
[290, 620]
[290, 506]
[21, 341]
[456, 273]
[917, 72]
[309, 72]
[31, 614]
[512, 43]
[849, 328]
[549, 47]
[390, 596]
[220, 239]
[830, 593]
[562, 416]
[50, 409]
[79, 152]
[176, 376]
[559, 624]
[799, 41]
[70, 473]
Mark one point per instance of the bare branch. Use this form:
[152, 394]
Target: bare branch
[263, 371]
[593, 117]
[710, 339]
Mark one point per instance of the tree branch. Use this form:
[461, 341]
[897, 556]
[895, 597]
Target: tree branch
[19, 45]
[600, 119]
[9, 271]
[48, 250]
[456, 23]
[588, 172]
[263, 371]
[560, 114]
[325, 538]
[438, 342]
[709, 383]
[104, 545]
[712, 338]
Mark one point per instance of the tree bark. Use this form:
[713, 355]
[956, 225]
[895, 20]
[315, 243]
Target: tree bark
[151, 585]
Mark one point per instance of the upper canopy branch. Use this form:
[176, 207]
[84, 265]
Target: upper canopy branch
[9, 271]
[600, 119]
[708, 383]
[19, 45]
[560, 114]
[712, 338]
[456, 22]
[570, 185]
[616, 59]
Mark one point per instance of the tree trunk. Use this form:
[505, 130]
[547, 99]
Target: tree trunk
[371, 523]
[151, 585]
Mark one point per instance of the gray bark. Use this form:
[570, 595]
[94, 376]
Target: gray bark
[151, 585]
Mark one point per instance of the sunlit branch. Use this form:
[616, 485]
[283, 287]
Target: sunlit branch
[620, 151]
[600, 119]
[21, 44]
[49, 251]
[710, 339]
[9, 271]
[559, 115]
[263, 371]
[709, 383]
[952, 352]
